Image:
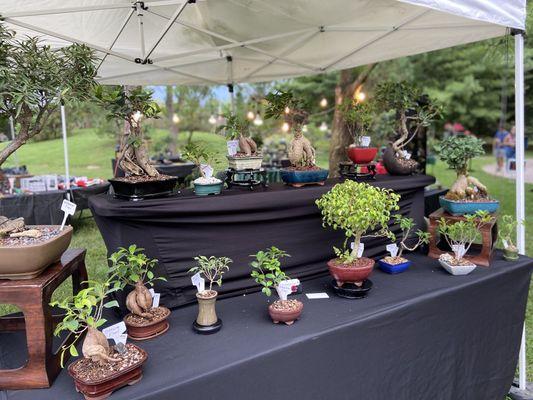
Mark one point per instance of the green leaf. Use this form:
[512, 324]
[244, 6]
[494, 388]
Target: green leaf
[110, 304]
[73, 351]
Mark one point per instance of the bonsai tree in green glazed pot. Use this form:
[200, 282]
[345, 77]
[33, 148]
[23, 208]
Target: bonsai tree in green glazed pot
[361, 211]
[132, 268]
[266, 270]
[210, 269]
[507, 234]
[206, 184]
[238, 129]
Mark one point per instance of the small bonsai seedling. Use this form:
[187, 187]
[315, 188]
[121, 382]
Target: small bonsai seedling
[359, 118]
[237, 128]
[507, 234]
[406, 226]
[199, 155]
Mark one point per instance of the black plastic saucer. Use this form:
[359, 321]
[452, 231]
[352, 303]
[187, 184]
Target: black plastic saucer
[352, 291]
[207, 329]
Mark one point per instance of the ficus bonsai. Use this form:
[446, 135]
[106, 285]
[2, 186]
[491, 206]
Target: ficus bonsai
[266, 269]
[359, 117]
[238, 128]
[211, 269]
[36, 79]
[198, 154]
[507, 234]
[406, 226]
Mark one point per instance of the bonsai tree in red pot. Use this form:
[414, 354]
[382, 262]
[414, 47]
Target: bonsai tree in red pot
[361, 210]
[359, 118]
[103, 369]
[131, 267]
[266, 270]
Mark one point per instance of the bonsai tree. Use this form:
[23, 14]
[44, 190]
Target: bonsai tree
[507, 234]
[131, 105]
[457, 151]
[36, 79]
[406, 226]
[211, 269]
[237, 128]
[361, 211]
[358, 117]
[198, 155]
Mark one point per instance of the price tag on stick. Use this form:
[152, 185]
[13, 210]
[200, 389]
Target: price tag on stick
[360, 250]
[155, 298]
[198, 281]
[392, 249]
[69, 208]
[207, 170]
[114, 331]
[233, 146]
[287, 287]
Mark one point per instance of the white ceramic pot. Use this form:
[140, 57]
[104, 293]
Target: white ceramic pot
[240, 163]
[457, 269]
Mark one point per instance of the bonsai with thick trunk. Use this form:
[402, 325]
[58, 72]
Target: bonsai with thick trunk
[237, 128]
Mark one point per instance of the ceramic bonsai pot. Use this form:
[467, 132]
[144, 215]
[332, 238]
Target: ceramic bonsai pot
[355, 273]
[394, 268]
[240, 163]
[207, 189]
[207, 321]
[143, 189]
[397, 166]
[362, 155]
[287, 316]
[457, 269]
[101, 389]
[510, 254]
[150, 329]
[298, 178]
[29, 261]
[468, 207]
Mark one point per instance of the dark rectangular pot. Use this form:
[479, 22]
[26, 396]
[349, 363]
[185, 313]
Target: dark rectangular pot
[143, 190]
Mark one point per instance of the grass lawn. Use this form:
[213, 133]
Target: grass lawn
[90, 155]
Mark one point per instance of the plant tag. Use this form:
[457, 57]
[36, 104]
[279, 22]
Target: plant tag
[459, 250]
[392, 249]
[121, 348]
[198, 281]
[69, 208]
[365, 141]
[11, 181]
[114, 330]
[359, 250]
[120, 341]
[233, 146]
[155, 298]
[313, 296]
[207, 170]
[287, 287]
[505, 243]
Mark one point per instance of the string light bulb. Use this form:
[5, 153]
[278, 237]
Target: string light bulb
[323, 127]
[176, 119]
[304, 129]
[287, 110]
[360, 96]
[285, 127]
[324, 102]
[258, 121]
[212, 120]
[137, 116]
[250, 115]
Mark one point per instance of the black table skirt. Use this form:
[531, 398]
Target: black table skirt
[423, 334]
[37, 208]
[236, 224]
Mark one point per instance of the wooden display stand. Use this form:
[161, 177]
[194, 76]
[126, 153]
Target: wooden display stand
[33, 296]
[489, 233]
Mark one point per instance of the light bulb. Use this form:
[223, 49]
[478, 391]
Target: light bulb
[176, 119]
[285, 127]
[250, 115]
[212, 120]
[304, 128]
[360, 96]
[323, 127]
[137, 116]
[324, 102]
[287, 110]
[258, 121]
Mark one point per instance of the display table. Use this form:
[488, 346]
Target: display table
[236, 224]
[37, 208]
[423, 334]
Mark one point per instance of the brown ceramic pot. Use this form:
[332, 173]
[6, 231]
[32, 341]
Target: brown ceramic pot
[207, 314]
[287, 317]
[27, 262]
[354, 273]
[102, 389]
[149, 330]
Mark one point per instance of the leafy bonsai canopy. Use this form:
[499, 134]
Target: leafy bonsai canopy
[36, 79]
[266, 269]
[359, 117]
[238, 128]
[198, 155]
[406, 226]
[211, 269]
[360, 210]
[131, 105]
[457, 151]
[507, 232]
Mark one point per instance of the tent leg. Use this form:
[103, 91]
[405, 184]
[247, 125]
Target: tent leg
[65, 150]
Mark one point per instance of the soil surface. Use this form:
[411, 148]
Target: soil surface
[362, 262]
[48, 232]
[144, 178]
[157, 314]
[207, 294]
[286, 305]
[306, 168]
[394, 260]
[455, 262]
[90, 371]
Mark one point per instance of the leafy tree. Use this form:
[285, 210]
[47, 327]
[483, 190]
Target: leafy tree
[211, 268]
[266, 269]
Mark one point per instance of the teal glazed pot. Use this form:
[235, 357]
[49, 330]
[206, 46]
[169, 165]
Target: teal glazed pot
[300, 178]
[206, 190]
[465, 207]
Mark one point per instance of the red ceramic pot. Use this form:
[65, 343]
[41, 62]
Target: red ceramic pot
[355, 273]
[149, 330]
[362, 155]
[287, 317]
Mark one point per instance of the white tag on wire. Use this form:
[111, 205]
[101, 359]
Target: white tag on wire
[365, 141]
[198, 281]
[360, 250]
[69, 208]
[207, 170]
[233, 145]
[114, 330]
[392, 249]
[155, 298]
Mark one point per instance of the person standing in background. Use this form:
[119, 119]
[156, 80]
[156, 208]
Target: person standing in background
[509, 144]
[498, 147]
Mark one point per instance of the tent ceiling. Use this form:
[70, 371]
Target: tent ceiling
[231, 41]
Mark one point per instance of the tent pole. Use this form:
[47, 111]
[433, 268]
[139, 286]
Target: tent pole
[65, 149]
[12, 128]
[520, 196]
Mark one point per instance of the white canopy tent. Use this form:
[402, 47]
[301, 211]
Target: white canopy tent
[213, 42]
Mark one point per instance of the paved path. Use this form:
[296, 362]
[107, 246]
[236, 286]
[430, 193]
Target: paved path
[491, 169]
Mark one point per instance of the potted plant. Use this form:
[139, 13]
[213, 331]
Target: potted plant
[303, 170]
[211, 269]
[206, 184]
[133, 105]
[414, 112]
[266, 270]
[248, 156]
[507, 233]
[467, 194]
[131, 267]
[460, 235]
[359, 118]
[26, 251]
[103, 369]
[395, 263]
[360, 210]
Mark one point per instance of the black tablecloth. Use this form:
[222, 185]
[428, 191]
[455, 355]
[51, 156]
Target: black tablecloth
[236, 224]
[37, 209]
[423, 334]
[81, 195]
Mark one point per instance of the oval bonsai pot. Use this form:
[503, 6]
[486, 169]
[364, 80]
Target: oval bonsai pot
[209, 189]
[510, 254]
[102, 389]
[27, 262]
[396, 166]
[457, 269]
[300, 178]
[362, 155]
[140, 190]
[394, 268]
[245, 162]
[287, 317]
[150, 330]
[349, 273]
[468, 207]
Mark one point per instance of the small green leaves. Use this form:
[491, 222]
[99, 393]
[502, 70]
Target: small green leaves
[110, 304]
[266, 268]
[130, 265]
[212, 268]
[457, 151]
[73, 351]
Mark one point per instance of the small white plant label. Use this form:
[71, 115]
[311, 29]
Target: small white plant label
[114, 330]
[120, 339]
[287, 287]
[365, 141]
[360, 250]
[505, 243]
[207, 170]
[11, 181]
[69, 208]
[392, 249]
[459, 250]
[233, 146]
[198, 281]
[313, 296]
[155, 298]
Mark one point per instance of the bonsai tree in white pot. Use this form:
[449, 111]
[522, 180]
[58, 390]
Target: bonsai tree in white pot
[200, 156]
[507, 235]
[210, 269]
[248, 156]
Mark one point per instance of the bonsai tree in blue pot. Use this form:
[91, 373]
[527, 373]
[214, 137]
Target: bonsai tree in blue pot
[467, 194]
[206, 184]
[303, 170]
[395, 263]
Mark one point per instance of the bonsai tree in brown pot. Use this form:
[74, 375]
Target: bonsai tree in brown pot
[361, 211]
[210, 269]
[131, 267]
[103, 368]
[266, 270]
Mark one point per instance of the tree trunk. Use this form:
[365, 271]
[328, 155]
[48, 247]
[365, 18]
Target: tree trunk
[340, 136]
[172, 127]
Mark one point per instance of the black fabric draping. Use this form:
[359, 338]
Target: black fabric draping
[236, 224]
[37, 208]
[423, 334]
[81, 195]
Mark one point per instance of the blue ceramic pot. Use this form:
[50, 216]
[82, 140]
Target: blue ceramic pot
[300, 178]
[206, 190]
[394, 268]
[465, 207]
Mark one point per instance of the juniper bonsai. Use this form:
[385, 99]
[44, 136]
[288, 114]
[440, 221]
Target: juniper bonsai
[237, 128]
